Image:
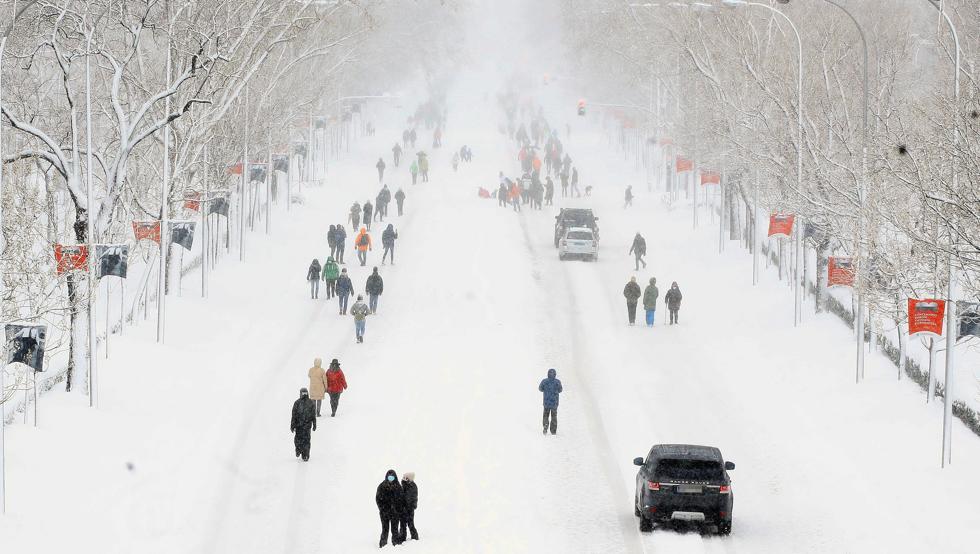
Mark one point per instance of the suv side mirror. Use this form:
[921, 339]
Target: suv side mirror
[729, 466]
[638, 461]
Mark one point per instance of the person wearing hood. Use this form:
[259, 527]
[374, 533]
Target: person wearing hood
[313, 276]
[340, 239]
[381, 169]
[390, 499]
[344, 289]
[303, 420]
[650, 296]
[331, 272]
[384, 198]
[332, 240]
[355, 216]
[388, 237]
[336, 384]
[639, 249]
[363, 243]
[374, 286]
[551, 388]
[400, 200]
[632, 293]
[368, 212]
[673, 301]
[318, 384]
[360, 311]
[411, 492]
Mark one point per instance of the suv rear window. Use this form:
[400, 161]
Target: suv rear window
[688, 470]
[580, 235]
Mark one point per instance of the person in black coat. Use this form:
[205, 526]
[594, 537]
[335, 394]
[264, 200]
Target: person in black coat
[400, 200]
[639, 249]
[313, 276]
[304, 419]
[632, 293]
[388, 241]
[340, 240]
[344, 289]
[673, 300]
[411, 492]
[374, 287]
[332, 241]
[368, 211]
[390, 499]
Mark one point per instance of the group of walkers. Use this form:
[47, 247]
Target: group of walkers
[306, 409]
[397, 503]
[650, 295]
[464, 155]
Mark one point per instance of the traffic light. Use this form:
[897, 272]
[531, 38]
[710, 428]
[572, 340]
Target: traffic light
[581, 107]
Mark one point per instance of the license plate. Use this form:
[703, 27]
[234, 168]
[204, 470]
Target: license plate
[690, 489]
[688, 516]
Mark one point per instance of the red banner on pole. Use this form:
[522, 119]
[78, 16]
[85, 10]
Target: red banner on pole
[192, 201]
[926, 316]
[781, 224]
[683, 164]
[840, 272]
[70, 257]
[235, 169]
[147, 230]
[710, 178]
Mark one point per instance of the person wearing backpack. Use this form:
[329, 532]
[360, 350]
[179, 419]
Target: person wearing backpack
[360, 311]
[340, 239]
[363, 244]
[331, 272]
[355, 216]
[374, 287]
[388, 242]
[313, 276]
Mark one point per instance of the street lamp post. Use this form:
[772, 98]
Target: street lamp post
[797, 289]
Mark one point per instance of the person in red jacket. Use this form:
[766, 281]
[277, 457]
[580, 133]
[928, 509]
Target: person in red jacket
[336, 383]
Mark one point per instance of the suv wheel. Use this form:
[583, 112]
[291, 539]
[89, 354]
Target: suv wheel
[725, 528]
[646, 525]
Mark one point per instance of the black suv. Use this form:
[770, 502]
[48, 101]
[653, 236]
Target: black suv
[575, 217]
[684, 482]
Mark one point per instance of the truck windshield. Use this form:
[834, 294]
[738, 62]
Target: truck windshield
[688, 470]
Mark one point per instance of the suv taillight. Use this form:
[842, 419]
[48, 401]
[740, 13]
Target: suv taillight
[653, 486]
[725, 489]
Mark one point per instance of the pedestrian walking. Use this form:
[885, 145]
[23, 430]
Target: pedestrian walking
[389, 499]
[424, 167]
[629, 197]
[632, 293]
[638, 250]
[673, 301]
[515, 196]
[368, 213]
[360, 311]
[355, 216]
[331, 272]
[411, 492]
[455, 161]
[400, 200]
[396, 153]
[650, 296]
[374, 287]
[313, 276]
[549, 191]
[381, 169]
[405, 137]
[336, 384]
[414, 136]
[388, 237]
[550, 388]
[344, 289]
[303, 420]
[575, 190]
[318, 384]
[384, 198]
[414, 170]
[340, 238]
[502, 194]
[332, 240]
[564, 183]
[363, 244]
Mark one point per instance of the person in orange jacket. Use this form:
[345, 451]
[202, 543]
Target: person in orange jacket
[536, 163]
[363, 244]
[515, 196]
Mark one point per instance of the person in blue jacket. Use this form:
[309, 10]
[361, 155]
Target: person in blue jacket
[551, 387]
[344, 289]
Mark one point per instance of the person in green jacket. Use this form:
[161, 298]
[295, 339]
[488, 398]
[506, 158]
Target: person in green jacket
[649, 299]
[330, 274]
[414, 168]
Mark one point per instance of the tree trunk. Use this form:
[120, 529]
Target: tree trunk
[77, 374]
[823, 248]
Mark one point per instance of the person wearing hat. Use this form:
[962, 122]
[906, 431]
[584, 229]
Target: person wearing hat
[318, 384]
[632, 293]
[390, 499]
[551, 388]
[331, 272]
[336, 384]
[344, 289]
[650, 296]
[411, 492]
[304, 419]
[673, 300]
[360, 311]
